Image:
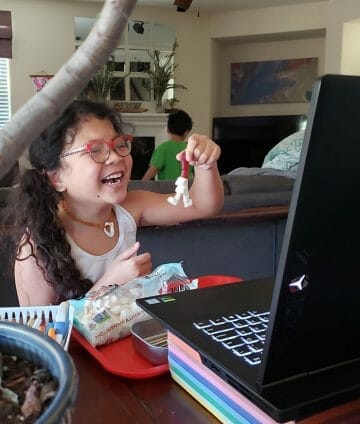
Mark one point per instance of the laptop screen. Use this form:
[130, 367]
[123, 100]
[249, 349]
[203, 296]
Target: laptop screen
[315, 308]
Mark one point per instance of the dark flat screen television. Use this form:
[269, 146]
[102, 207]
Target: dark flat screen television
[245, 140]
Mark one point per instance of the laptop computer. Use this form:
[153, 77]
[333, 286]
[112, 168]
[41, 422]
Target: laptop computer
[307, 348]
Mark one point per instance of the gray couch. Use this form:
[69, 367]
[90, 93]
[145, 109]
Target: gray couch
[241, 191]
[244, 239]
[237, 245]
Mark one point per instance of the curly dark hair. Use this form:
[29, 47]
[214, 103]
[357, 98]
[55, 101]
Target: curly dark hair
[31, 214]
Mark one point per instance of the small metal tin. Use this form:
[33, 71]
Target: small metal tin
[150, 340]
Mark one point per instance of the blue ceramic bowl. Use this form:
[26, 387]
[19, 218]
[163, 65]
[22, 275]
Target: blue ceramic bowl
[30, 344]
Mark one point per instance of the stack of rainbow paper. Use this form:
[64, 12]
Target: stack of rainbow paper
[222, 400]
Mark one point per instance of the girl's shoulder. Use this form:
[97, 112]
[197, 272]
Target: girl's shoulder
[125, 218]
[133, 203]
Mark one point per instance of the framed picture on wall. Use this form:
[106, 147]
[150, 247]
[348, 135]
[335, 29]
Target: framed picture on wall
[273, 81]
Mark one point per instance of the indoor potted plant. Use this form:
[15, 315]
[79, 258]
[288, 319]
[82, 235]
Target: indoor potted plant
[162, 73]
[102, 83]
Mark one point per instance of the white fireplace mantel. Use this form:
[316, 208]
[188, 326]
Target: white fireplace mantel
[148, 125]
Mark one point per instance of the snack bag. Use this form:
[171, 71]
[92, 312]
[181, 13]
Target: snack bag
[106, 315]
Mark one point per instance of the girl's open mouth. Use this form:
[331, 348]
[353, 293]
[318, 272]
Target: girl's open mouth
[113, 178]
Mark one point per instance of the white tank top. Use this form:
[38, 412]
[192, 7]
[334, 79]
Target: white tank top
[92, 266]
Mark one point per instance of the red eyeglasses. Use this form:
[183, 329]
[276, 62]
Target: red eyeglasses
[100, 149]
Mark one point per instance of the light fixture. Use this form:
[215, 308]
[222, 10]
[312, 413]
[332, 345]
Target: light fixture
[182, 5]
[138, 27]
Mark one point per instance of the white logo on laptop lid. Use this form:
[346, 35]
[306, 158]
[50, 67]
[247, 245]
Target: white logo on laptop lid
[298, 284]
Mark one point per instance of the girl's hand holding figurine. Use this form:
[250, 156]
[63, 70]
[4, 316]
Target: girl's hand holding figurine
[201, 152]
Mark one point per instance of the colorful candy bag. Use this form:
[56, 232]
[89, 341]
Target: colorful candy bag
[106, 315]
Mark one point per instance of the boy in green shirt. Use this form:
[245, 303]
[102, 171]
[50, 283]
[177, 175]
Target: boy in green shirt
[163, 161]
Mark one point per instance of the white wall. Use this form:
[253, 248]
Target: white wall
[44, 39]
[337, 50]
[267, 34]
[350, 58]
[272, 50]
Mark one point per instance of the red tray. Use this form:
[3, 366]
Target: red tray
[121, 358]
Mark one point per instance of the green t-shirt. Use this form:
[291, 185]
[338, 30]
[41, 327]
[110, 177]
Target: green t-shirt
[164, 159]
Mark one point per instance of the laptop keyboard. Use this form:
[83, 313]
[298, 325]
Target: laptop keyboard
[243, 334]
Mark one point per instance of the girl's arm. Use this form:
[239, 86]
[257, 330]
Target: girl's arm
[33, 290]
[31, 287]
[206, 192]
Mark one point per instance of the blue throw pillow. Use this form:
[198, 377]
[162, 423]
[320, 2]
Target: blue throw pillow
[285, 155]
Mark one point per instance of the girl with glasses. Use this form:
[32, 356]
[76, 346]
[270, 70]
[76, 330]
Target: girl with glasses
[74, 222]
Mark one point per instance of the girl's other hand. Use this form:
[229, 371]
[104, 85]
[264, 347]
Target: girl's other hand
[126, 267]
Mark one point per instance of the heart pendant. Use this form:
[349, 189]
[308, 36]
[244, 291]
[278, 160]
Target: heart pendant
[109, 229]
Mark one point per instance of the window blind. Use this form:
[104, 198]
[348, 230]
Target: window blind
[5, 34]
[5, 111]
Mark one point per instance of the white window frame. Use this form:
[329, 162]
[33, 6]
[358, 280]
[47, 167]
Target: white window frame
[127, 48]
[5, 106]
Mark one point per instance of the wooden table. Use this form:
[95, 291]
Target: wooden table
[107, 398]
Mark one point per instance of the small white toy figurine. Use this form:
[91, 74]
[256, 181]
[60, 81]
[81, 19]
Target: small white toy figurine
[182, 186]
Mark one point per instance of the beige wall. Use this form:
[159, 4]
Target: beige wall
[350, 58]
[267, 34]
[44, 39]
[193, 56]
[337, 49]
[249, 52]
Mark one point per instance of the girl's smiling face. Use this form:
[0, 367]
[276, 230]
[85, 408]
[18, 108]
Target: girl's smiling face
[81, 179]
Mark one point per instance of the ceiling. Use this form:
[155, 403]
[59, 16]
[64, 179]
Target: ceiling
[210, 6]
